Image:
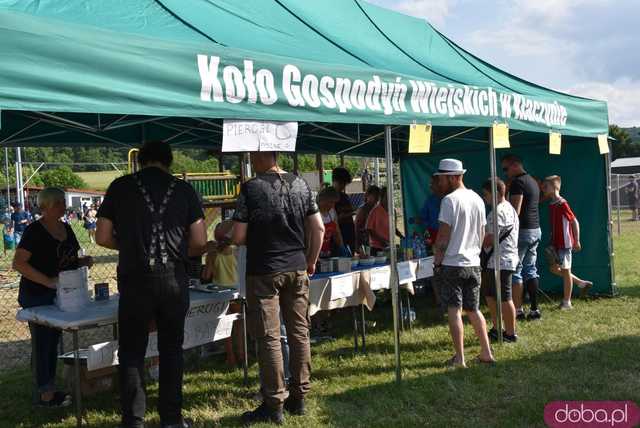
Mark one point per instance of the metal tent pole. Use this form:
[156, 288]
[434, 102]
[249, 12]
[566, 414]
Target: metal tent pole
[618, 200]
[6, 171]
[388, 154]
[19, 189]
[496, 237]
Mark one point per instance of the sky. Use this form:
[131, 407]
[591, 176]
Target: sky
[589, 48]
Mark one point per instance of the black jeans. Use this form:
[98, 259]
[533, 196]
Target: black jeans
[162, 296]
[44, 356]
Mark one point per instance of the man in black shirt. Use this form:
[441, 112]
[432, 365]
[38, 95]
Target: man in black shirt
[156, 223]
[524, 195]
[278, 219]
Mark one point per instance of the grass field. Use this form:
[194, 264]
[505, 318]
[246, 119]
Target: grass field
[99, 180]
[590, 353]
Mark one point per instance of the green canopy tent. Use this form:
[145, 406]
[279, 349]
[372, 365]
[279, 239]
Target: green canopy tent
[116, 72]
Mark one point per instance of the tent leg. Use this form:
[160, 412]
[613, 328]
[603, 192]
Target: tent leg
[496, 237]
[610, 222]
[388, 154]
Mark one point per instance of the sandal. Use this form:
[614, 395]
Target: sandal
[452, 364]
[484, 362]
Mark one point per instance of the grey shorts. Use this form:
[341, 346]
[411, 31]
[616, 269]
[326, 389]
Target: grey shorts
[459, 287]
[489, 284]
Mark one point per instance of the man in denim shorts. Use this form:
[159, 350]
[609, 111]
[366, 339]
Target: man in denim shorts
[457, 259]
[524, 195]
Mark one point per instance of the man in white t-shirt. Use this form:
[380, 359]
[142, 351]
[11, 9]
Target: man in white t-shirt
[457, 269]
[508, 229]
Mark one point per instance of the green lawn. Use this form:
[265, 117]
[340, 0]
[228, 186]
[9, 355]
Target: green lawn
[99, 180]
[589, 353]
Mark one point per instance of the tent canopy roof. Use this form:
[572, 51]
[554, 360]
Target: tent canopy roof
[173, 69]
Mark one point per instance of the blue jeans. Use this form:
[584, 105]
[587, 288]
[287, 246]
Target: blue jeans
[528, 241]
[17, 236]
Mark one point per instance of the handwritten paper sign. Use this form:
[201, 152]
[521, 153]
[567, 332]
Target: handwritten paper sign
[341, 286]
[603, 144]
[419, 138]
[555, 143]
[425, 268]
[204, 324]
[258, 136]
[406, 272]
[500, 135]
[380, 278]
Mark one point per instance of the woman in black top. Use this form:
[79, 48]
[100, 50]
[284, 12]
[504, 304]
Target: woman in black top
[48, 247]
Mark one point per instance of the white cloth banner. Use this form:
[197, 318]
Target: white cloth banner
[205, 326]
[258, 136]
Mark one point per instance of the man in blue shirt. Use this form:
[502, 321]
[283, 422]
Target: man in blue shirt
[20, 220]
[431, 210]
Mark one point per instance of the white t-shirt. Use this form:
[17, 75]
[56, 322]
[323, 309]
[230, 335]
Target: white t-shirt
[507, 218]
[464, 211]
[329, 217]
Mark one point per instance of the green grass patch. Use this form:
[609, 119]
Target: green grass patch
[99, 180]
[590, 353]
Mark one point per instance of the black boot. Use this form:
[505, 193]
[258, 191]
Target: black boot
[294, 406]
[263, 414]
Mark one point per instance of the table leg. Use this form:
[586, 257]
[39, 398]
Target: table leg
[76, 378]
[409, 312]
[355, 329]
[400, 310]
[364, 330]
[245, 357]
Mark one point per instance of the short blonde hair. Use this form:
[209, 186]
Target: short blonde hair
[49, 196]
[555, 180]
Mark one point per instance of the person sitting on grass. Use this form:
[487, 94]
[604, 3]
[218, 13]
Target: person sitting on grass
[565, 239]
[47, 247]
[508, 227]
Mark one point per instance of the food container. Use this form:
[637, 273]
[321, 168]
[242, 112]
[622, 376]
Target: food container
[368, 261]
[335, 267]
[354, 263]
[325, 266]
[344, 264]
[380, 260]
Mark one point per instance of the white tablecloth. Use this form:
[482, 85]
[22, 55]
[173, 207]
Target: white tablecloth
[106, 312]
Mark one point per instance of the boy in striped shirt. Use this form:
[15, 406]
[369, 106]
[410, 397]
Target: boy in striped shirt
[565, 238]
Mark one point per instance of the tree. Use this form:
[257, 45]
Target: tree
[62, 177]
[624, 146]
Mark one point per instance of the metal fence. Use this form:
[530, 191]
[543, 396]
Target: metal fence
[15, 340]
[622, 196]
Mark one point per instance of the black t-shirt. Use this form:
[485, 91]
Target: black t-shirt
[527, 186]
[275, 207]
[125, 206]
[48, 256]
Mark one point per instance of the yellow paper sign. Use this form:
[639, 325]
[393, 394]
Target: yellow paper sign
[419, 138]
[500, 135]
[555, 143]
[603, 144]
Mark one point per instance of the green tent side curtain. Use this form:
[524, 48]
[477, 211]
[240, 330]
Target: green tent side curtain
[332, 62]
